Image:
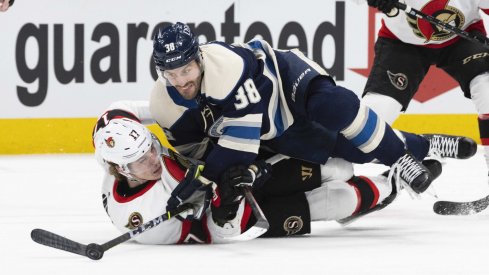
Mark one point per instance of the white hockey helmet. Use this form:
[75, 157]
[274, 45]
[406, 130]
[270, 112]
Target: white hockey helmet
[123, 141]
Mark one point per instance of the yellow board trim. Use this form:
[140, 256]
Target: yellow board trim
[54, 135]
[451, 124]
[73, 135]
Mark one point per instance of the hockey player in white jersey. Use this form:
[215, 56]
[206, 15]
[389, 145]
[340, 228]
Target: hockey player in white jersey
[144, 176]
[407, 46]
[221, 103]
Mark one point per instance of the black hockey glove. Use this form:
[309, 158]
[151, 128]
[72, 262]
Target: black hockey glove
[230, 190]
[386, 6]
[192, 191]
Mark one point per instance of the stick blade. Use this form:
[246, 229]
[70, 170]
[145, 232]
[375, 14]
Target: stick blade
[260, 228]
[50, 239]
[460, 208]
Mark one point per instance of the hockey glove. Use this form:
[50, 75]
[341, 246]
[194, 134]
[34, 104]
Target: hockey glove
[193, 191]
[230, 190]
[386, 6]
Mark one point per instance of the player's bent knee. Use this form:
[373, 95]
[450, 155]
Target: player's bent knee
[332, 201]
[336, 169]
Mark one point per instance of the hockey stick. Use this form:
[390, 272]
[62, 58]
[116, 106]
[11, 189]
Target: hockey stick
[96, 251]
[461, 208]
[261, 226]
[471, 37]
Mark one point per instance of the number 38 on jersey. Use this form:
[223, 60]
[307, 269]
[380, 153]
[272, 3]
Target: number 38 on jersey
[247, 94]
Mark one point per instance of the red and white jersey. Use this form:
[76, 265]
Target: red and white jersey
[129, 208]
[463, 14]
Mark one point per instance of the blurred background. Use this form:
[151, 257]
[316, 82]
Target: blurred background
[64, 62]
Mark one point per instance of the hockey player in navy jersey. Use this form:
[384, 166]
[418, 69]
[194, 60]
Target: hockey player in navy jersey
[221, 103]
[407, 46]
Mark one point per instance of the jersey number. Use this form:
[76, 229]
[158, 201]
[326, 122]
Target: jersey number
[247, 94]
[170, 47]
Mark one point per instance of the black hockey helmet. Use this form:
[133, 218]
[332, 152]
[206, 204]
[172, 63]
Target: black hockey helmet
[174, 46]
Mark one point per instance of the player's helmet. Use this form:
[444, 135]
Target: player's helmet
[123, 141]
[174, 46]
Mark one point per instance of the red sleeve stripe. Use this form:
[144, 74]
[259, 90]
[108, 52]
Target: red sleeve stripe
[186, 226]
[246, 216]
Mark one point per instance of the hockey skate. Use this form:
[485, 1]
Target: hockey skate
[411, 174]
[447, 146]
[433, 166]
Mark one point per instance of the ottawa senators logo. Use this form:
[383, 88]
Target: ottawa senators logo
[399, 80]
[110, 142]
[441, 11]
[135, 220]
[293, 224]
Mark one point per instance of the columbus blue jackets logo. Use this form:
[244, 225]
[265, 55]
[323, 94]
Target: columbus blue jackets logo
[216, 128]
[399, 80]
[135, 220]
[441, 11]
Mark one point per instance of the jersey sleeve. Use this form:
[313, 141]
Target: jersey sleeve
[221, 234]
[239, 129]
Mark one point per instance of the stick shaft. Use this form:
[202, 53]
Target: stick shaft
[409, 10]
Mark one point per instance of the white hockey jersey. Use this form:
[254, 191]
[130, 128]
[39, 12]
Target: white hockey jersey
[129, 208]
[463, 14]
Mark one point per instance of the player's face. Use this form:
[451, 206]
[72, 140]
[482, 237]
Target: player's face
[148, 167]
[185, 79]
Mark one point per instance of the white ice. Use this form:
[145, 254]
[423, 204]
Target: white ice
[61, 193]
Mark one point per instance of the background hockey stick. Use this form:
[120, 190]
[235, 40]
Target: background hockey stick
[461, 208]
[96, 251]
[471, 37]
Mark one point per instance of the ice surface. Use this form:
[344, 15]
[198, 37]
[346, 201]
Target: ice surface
[61, 193]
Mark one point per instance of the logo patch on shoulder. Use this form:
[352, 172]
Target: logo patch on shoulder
[216, 129]
[293, 224]
[110, 142]
[135, 220]
[399, 80]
